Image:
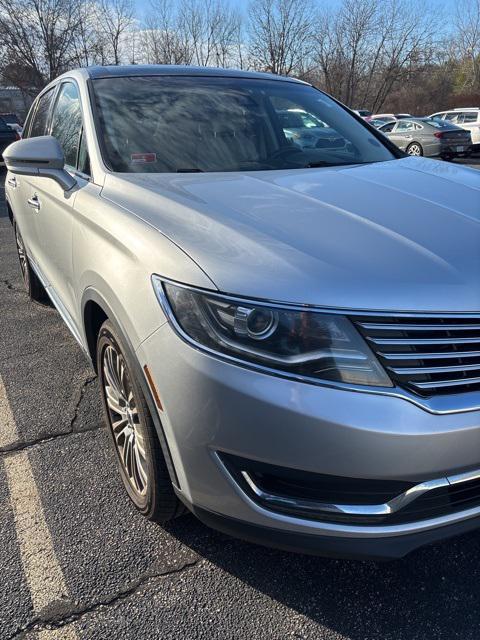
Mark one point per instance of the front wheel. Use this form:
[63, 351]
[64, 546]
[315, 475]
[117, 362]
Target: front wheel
[415, 149]
[139, 454]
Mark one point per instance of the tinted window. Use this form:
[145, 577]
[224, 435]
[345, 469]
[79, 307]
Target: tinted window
[83, 158]
[67, 122]
[468, 117]
[3, 125]
[177, 124]
[40, 119]
[405, 126]
[387, 128]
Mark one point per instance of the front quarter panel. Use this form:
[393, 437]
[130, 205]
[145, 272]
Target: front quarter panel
[115, 254]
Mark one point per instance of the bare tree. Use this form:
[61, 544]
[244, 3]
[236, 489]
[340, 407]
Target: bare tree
[36, 39]
[368, 47]
[280, 33]
[114, 18]
[162, 40]
[467, 39]
[211, 28]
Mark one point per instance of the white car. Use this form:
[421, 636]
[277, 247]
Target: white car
[467, 118]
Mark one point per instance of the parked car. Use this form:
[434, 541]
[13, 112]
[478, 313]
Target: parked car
[7, 136]
[13, 122]
[307, 131]
[363, 113]
[428, 137]
[466, 118]
[389, 116]
[287, 339]
[379, 122]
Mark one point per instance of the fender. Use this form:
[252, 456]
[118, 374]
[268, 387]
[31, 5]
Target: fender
[92, 295]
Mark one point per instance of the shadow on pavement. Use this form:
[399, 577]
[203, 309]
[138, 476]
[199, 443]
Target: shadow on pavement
[432, 593]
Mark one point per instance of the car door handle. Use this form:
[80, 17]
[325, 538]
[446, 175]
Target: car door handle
[34, 202]
[12, 182]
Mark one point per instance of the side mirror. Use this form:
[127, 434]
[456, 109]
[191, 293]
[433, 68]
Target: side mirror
[41, 156]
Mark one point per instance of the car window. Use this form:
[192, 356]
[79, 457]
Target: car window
[190, 124]
[405, 126]
[468, 116]
[40, 118]
[67, 122]
[451, 115]
[3, 125]
[418, 126]
[83, 157]
[387, 128]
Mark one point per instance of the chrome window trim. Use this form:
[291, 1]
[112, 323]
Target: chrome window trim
[439, 405]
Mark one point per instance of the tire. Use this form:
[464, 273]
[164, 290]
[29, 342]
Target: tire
[35, 289]
[139, 455]
[415, 149]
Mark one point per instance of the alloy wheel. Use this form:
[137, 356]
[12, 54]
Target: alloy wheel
[124, 420]
[22, 255]
[414, 150]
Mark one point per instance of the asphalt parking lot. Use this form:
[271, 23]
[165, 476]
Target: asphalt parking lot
[76, 561]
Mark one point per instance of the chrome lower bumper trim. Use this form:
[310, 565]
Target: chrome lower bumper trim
[392, 506]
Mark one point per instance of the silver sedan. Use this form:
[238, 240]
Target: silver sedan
[428, 137]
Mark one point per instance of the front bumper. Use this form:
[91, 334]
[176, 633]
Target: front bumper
[211, 406]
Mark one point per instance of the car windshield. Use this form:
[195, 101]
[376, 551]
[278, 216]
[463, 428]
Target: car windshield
[189, 124]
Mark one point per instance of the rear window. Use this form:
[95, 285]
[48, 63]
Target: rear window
[3, 125]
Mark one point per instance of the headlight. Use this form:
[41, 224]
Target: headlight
[303, 343]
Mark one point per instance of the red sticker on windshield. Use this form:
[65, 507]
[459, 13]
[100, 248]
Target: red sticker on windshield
[142, 158]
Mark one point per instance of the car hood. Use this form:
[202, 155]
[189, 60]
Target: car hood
[402, 235]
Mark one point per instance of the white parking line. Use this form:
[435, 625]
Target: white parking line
[8, 428]
[42, 572]
[64, 633]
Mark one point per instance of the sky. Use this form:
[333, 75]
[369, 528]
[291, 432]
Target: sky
[243, 4]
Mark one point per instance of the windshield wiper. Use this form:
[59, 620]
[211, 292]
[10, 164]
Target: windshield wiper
[192, 170]
[319, 163]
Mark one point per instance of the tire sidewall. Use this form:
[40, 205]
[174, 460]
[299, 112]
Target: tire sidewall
[108, 337]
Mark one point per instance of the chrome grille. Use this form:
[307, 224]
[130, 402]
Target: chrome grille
[428, 356]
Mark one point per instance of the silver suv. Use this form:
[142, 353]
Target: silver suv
[287, 338]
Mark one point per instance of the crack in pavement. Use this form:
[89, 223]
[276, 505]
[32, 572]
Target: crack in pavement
[10, 286]
[20, 445]
[62, 613]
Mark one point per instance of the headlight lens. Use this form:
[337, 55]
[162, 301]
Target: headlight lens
[303, 343]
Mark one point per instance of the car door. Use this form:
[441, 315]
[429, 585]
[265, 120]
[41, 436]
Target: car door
[54, 206]
[18, 188]
[402, 134]
[468, 120]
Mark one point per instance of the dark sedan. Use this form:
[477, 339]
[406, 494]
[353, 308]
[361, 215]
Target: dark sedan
[7, 136]
[428, 137]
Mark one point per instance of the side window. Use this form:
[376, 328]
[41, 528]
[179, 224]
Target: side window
[469, 116]
[451, 115]
[387, 128]
[67, 122]
[83, 164]
[405, 126]
[40, 117]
